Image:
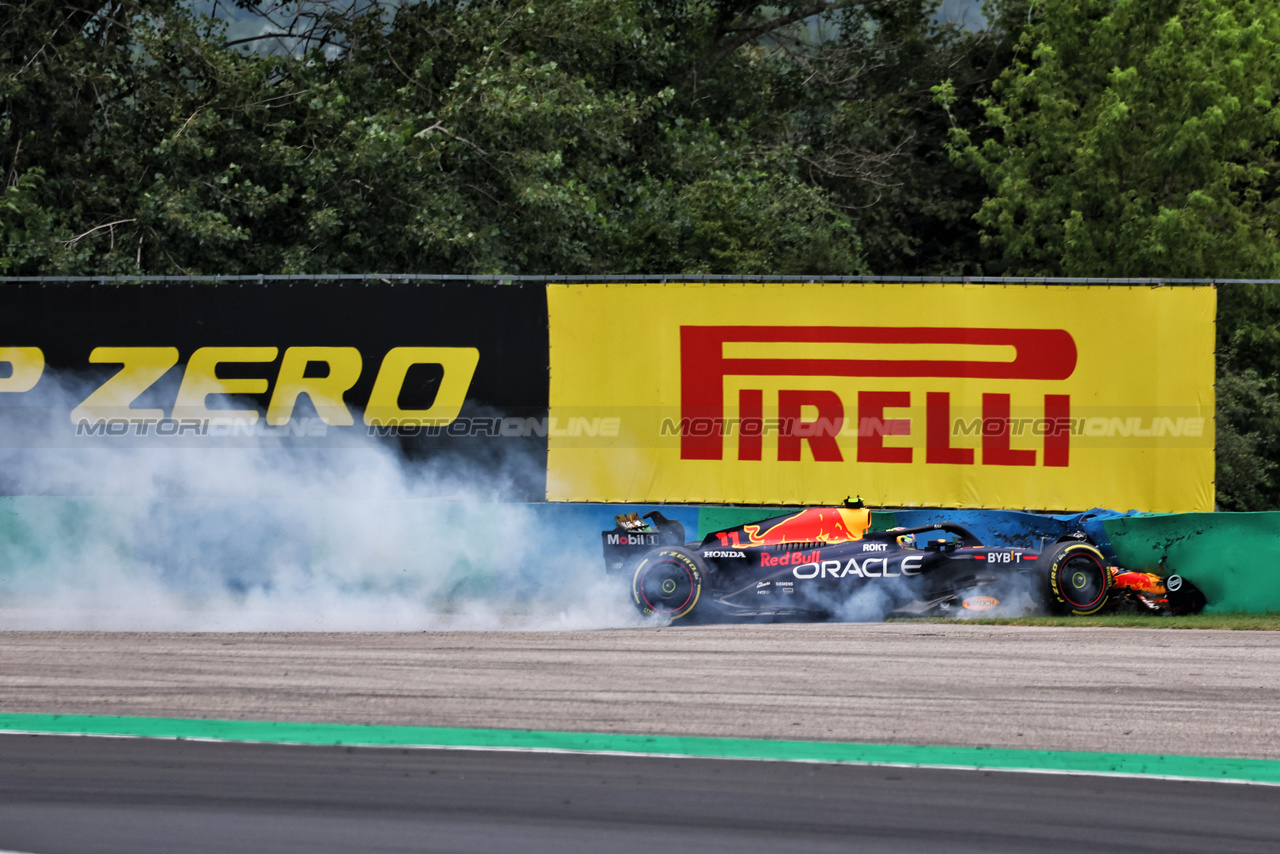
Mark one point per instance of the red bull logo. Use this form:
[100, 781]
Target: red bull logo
[1139, 582]
[790, 558]
[815, 525]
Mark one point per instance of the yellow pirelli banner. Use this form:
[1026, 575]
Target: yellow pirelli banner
[1041, 397]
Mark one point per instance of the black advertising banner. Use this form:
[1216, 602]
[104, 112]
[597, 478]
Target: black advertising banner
[441, 368]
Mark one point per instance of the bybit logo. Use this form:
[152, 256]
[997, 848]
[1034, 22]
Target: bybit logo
[1039, 354]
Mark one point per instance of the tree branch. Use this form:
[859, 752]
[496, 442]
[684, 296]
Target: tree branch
[744, 33]
[110, 225]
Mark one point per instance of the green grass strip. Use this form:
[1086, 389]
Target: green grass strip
[1046, 761]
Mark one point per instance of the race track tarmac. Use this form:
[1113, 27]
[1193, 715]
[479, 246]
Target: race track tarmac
[1207, 693]
[69, 795]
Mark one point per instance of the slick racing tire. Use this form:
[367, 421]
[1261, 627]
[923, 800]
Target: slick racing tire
[667, 583]
[1078, 579]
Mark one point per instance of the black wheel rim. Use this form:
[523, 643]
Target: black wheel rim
[666, 587]
[1082, 581]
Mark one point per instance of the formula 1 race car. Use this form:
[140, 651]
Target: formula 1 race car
[824, 563]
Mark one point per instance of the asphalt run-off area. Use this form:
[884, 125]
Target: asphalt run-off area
[896, 737]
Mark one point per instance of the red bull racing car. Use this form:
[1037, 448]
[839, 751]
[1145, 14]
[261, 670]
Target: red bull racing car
[825, 563]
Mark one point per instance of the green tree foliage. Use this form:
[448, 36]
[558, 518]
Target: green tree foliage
[1248, 410]
[465, 136]
[873, 135]
[1136, 138]
[1248, 438]
[570, 136]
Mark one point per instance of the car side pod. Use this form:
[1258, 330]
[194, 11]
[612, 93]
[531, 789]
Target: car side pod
[1078, 580]
[668, 583]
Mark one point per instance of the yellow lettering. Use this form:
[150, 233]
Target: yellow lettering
[325, 392]
[201, 380]
[141, 367]
[28, 365]
[459, 365]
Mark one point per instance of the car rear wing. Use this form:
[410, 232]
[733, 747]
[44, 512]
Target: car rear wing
[634, 536]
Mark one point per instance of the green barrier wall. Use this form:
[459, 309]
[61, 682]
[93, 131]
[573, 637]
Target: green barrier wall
[1233, 557]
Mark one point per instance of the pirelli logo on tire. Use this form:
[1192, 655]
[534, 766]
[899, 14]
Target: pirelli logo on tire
[1029, 397]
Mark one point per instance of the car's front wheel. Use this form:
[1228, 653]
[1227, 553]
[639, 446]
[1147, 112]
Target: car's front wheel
[1078, 579]
[667, 583]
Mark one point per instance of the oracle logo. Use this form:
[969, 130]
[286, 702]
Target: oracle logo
[1039, 354]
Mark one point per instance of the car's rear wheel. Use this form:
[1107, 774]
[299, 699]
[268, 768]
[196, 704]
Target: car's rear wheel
[667, 583]
[1078, 579]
